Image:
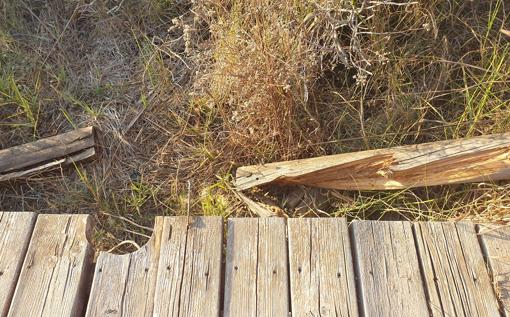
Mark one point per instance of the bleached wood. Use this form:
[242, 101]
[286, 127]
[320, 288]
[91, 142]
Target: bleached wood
[56, 269]
[124, 285]
[321, 268]
[189, 274]
[241, 268]
[389, 271]
[15, 231]
[255, 207]
[483, 158]
[455, 274]
[496, 242]
[33, 157]
[256, 274]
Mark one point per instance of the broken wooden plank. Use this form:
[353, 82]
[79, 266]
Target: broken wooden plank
[30, 158]
[388, 268]
[321, 268]
[15, 231]
[189, 273]
[256, 274]
[495, 241]
[54, 276]
[455, 274]
[483, 158]
[124, 285]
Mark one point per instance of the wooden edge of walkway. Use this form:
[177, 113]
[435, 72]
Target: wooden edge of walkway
[305, 266]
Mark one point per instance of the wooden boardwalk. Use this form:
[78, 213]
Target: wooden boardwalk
[256, 267]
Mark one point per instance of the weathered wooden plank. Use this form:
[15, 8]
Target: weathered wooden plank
[124, 285]
[388, 267]
[15, 231]
[241, 268]
[480, 158]
[54, 277]
[321, 268]
[171, 266]
[457, 280]
[256, 274]
[496, 246]
[189, 274]
[26, 159]
[272, 268]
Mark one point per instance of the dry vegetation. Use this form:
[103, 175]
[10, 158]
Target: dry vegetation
[184, 92]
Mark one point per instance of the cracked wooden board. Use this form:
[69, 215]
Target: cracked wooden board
[455, 274]
[496, 246]
[388, 269]
[483, 158]
[256, 274]
[15, 231]
[189, 273]
[54, 276]
[321, 269]
[124, 285]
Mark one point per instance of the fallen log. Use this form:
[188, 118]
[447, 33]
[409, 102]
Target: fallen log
[28, 159]
[483, 158]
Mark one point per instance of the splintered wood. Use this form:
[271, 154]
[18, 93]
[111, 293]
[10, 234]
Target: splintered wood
[484, 158]
[27, 159]
[268, 267]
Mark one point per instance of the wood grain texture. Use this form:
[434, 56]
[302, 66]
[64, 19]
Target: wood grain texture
[241, 268]
[189, 274]
[55, 272]
[389, 272]
[321, 268]
[456, 277]
[26, 159]
[124, 285]
[496, 245]
[15, 231]
[256, 274]
[481, 158]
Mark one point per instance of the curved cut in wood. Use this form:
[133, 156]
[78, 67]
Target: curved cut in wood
[15, 231]
[55, 273]
[484, 158]
[123, 285]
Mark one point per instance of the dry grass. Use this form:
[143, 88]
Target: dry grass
[184, 92]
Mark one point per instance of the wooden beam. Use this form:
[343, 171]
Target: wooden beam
[30, 158]
[483, 158]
